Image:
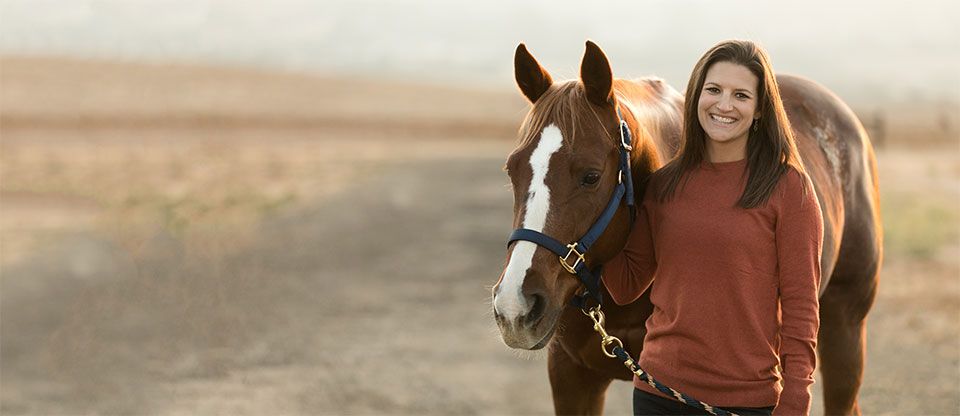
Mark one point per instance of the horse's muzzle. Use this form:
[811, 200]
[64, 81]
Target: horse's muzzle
[531, 328]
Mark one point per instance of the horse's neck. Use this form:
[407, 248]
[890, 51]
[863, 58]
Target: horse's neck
[658, 116]
[658, 112]
[645, 161]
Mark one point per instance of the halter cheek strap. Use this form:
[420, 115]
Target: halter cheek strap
[571, 255]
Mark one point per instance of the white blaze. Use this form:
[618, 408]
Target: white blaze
[509, 301]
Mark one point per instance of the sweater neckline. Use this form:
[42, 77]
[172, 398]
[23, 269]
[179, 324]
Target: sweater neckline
[736, 164]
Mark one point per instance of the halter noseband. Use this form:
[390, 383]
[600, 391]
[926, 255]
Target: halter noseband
[576, 250]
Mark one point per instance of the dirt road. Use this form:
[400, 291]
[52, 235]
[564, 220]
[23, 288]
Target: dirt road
[376, 301]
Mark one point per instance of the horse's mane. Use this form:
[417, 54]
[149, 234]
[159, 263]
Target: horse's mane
[657, 107]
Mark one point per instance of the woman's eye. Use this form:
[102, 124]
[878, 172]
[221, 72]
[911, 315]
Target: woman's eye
[713, 90]
[742, 96]
[590, 179]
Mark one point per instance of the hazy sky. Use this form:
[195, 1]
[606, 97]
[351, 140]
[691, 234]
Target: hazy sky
[904, 50]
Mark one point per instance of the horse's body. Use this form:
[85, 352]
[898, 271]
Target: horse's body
[836, 153]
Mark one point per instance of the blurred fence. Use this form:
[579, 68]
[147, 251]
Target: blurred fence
[922, 125]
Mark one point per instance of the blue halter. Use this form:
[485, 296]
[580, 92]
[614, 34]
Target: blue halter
[576, 250]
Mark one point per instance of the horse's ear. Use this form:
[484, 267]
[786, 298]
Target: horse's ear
[532, 79]
[596, 75]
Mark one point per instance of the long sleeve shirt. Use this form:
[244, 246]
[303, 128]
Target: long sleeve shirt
[735, 290]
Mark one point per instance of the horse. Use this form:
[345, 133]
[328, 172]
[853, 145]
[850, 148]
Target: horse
[565, 169]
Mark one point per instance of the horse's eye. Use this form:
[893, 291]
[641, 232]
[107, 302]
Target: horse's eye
[590, 179]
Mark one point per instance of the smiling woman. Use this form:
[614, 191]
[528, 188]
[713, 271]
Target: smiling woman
[729, 241]
[727, 109]
[734, 234]
[734, 87]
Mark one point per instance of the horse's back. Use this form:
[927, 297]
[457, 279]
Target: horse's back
[838, 157]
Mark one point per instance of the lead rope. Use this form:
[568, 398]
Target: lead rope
[618, 352]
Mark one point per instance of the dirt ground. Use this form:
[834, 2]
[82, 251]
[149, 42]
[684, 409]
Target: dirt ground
[178, 240]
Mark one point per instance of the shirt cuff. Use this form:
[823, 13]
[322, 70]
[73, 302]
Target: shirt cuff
[795, 397]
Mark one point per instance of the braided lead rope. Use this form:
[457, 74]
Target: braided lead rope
[618, 352]
[647, 378]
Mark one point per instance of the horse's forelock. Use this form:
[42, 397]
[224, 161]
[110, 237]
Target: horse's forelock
[564, 105]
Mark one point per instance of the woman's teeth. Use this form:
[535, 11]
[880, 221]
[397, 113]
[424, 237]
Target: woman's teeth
[725, 120]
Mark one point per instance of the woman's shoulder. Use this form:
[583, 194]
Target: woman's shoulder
[794, 178]
[795, 188]
[661, 175]
[657, 180]
[657, 176]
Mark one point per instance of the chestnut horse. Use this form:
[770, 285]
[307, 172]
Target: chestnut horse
[564, 171]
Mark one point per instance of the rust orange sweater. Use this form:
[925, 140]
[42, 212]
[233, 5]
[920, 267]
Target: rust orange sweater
[734, 290]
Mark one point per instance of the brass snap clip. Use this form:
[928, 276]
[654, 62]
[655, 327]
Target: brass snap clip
[605, 338]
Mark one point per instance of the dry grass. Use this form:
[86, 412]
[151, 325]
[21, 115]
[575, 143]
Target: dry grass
[920, 201]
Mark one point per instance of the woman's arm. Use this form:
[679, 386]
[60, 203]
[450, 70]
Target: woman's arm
[630, 272]
[799, 236]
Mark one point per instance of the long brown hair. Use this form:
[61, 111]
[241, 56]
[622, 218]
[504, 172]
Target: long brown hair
[771, 150]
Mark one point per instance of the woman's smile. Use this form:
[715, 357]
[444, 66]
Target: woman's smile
[721, 120]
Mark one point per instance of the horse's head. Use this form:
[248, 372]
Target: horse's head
[563, 174]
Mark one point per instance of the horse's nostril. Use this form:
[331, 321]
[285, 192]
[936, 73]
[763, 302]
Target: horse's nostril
[498, 317]
[537, 304]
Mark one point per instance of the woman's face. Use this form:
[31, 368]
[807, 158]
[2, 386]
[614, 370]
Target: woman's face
[728, 103]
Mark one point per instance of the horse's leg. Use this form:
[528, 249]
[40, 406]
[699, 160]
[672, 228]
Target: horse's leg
[842, 342]
[576, 390]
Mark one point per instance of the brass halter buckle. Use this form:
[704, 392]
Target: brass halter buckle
[564, 260]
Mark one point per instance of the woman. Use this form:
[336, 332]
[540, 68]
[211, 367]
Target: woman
[729, 236]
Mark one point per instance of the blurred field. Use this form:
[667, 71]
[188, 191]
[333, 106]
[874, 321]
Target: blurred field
[182, 240]
[180, 147]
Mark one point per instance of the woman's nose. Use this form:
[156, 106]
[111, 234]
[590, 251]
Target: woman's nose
[723, 104]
